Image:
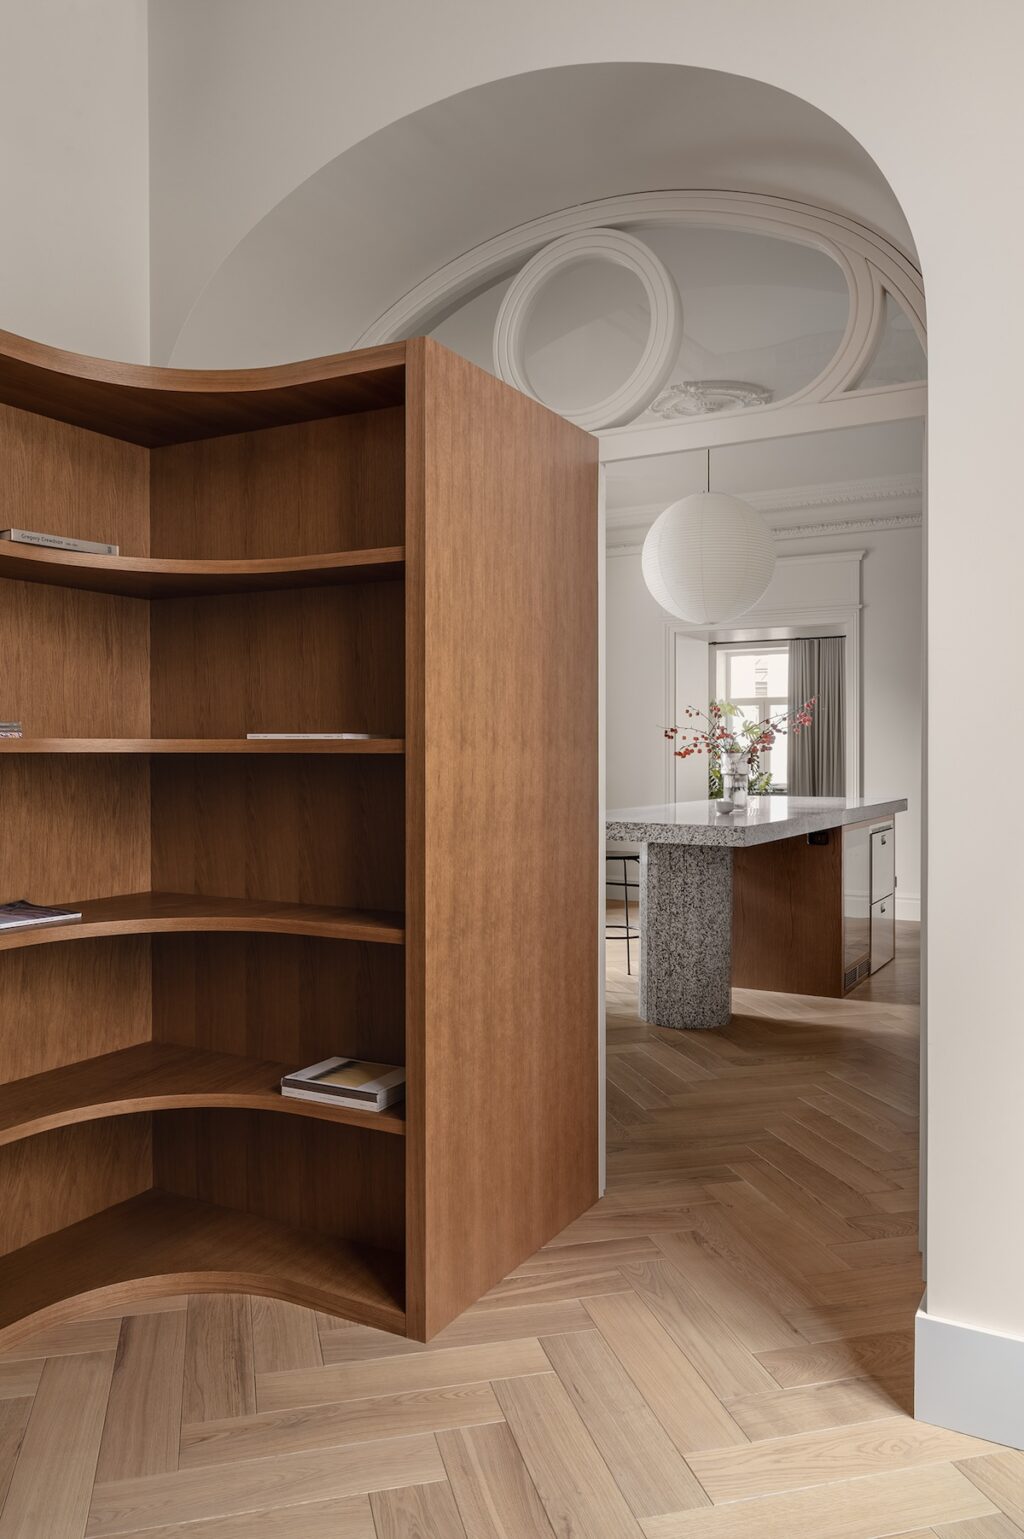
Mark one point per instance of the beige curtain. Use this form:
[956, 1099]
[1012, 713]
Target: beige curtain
[817, 755]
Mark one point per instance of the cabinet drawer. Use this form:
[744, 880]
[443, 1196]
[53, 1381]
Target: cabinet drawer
[883, 863]
[883, 932]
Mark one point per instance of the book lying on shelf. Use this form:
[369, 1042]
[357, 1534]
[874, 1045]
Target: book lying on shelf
[311, 737]
[347, 1082]
[22, 914]
[10, 728]
[59, 542]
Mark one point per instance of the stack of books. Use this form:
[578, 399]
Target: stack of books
[59, 542]
[22, 915]
[347, 1082]
[10, 728]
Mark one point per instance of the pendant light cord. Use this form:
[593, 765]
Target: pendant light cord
[707, 478]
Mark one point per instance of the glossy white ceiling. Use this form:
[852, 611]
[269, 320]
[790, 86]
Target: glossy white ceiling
[367, 227]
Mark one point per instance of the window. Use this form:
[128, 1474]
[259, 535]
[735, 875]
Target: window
[756, 680]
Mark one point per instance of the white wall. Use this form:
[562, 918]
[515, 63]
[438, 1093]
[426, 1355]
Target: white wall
[891, 630]
[74, 174]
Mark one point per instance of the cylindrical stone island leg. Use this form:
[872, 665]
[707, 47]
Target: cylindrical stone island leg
[685, 935]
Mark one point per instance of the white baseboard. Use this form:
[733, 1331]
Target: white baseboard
[908, 908]
[969, 1380]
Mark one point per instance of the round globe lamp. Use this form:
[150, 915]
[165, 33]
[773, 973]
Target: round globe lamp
[708, 558]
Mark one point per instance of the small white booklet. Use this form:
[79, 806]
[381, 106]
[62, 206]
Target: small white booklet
[59, 542]
[22, 914]
[347, 1082]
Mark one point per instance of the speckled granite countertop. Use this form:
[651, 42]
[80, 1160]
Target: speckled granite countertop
[765, 818]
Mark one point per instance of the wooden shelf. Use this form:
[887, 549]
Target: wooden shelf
[193, 745]
[158, 1243]
[159, 577]
[153, 406]
[152, 913]
[157, 1076]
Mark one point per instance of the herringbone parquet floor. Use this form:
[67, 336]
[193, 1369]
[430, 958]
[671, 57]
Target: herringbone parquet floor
[721, 1349]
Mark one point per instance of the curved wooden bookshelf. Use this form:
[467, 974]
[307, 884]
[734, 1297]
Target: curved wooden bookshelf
[199, 745]
[157, 1076]
[155, 913]
[159, 1243]
[160, 577]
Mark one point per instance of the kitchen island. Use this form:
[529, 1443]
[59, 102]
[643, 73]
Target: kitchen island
[805, 906]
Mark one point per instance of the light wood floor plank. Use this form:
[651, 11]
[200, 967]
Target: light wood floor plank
[91, 1335]
[728, 1367]
[143, 1423]
[576, 1489]
[874, 1507]
[493, 1490]
[417, 1512]
[997, 1527]
[887, 1355]
[691, 1413]
[807, 1408]
[121, 1506]
[14, 1415]
[475, 1328]
[647, 1468]
[283, 1336]
[220, 1379]
[750, 1315]
[21, 1377]
[349, 1517]
[1000, 1476]
[400, 1375]
[816, 1458]
[336, 1426]
[52, 1480]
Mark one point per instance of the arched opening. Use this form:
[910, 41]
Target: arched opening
[774, 1159]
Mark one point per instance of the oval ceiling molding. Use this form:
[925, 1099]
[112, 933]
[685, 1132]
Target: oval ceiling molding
[664, 335]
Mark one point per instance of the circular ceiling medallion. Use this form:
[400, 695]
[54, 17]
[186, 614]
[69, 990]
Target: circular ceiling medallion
[699, 397]
[660, 348]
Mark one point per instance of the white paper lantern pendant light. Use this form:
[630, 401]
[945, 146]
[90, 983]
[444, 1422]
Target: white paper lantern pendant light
[708, 557]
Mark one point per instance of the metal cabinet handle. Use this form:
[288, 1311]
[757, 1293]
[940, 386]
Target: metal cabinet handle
[883, 838]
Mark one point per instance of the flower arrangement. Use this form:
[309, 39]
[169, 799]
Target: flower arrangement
[712, 732]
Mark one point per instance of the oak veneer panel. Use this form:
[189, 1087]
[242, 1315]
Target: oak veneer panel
[69, 1174]
[60, 480]
[61, 1003]
[145, 405]
[788, 917]
[501, 704]
[158, 1243]
[327, 1177]
[83, 828]
[288, 998]
[307, 489]
[142, 577]
[308, 830]
[313, 660]
[154, 1076]
[73, 662]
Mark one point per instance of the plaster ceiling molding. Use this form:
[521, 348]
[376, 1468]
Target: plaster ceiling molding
[660, 349]
[701, 397]
[873, 505]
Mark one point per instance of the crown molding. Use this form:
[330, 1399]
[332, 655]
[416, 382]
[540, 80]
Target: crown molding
[874, 504]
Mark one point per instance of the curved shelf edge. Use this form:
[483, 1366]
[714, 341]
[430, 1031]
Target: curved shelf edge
[158, 577]
[158, 1243]
[154, 913]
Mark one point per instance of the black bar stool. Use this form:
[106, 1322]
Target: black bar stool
[627, 886]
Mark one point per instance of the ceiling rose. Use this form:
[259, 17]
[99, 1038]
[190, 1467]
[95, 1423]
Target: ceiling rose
[699, 397]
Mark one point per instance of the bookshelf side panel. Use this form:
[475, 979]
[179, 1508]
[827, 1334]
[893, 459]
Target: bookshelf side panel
[502, 562]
